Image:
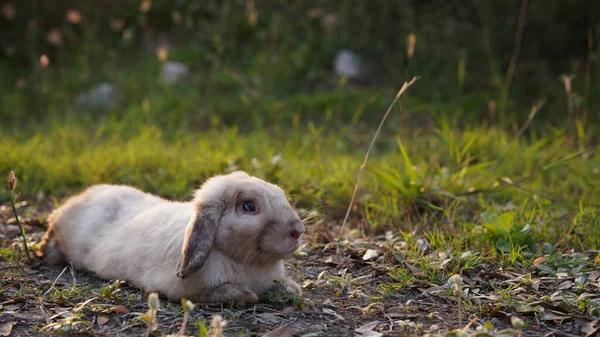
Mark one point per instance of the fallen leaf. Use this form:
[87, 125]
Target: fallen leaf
[6, 328]
[535, 284]
[528, 309]
[595, 275]
[589, 328]
[101, 320]
[290, 308]
[370, 254]
[422, 245]
[11, 308]
[334, 259]
[118, 308]
[331, 312]
[565, 285]
[282, 331]
[367, 330]
[267, 315]
[416, 271]
[550, 316]
[539, 260]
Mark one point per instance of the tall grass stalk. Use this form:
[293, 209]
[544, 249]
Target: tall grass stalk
[514, 58]
[588, 74]
[12, 184]
[405, 86]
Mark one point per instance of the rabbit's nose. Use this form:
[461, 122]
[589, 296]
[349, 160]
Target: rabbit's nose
[297, 228]
[295, 234]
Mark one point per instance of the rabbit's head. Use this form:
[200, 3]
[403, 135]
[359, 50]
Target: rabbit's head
[246, 218]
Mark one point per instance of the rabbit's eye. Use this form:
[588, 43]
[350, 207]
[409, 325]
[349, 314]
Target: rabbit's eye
[249, 206]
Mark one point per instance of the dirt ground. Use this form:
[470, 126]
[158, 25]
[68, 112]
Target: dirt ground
[36, 299]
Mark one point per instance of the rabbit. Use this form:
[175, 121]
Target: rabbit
[225, 246]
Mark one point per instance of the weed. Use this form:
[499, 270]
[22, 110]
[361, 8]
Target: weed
[343, 282]
[111, 292]
[12, 184]
[505, 234]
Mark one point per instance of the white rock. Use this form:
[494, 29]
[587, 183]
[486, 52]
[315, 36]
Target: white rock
[370, 254]
[349, 64]
[174, 72]
[104, 95]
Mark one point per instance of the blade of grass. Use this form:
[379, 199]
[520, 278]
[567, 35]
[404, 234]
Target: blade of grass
[405, 86]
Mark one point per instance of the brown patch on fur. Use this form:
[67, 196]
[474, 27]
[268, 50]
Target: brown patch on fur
[50, 248]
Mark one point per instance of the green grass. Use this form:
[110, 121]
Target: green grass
[443, 180]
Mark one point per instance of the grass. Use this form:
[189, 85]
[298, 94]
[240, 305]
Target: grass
[442, 178]
[461, 217]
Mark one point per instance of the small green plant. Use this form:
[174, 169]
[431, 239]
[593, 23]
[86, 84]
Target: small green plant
[280, 294]
[111, 291]
[344, 282]
[66, 326]
[506, 235]
[202, 328]
[12, 184]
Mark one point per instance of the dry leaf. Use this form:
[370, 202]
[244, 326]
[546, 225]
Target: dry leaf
[367, 330]
[589, 329]
[416, 271]
[535, 284]
[334, 259]
[290, 308]
[565, 285]
[6, 328]
[118, 308]
[267, 315]
[370, 254]
[594, 276]
[550, 316]
[101, 320]
[539, 260]
[331, 312]
[282, 331]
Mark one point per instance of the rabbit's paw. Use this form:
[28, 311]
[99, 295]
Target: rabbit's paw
[233, 293]
[292, 286]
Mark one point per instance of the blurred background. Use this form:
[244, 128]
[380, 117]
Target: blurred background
[254, 53]
[162, 94]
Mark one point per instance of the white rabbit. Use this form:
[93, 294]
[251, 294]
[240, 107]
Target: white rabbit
[226, 245]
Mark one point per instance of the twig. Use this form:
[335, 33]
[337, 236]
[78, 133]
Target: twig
[12, 267]
[73, 273]
[473, 320]
[405, 86]
[56, 280]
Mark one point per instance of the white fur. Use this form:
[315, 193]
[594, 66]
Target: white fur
[119, 232]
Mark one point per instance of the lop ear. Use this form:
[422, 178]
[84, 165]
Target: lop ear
[199, 237]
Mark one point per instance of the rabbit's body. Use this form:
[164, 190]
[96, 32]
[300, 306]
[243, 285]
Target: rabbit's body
[119, 232]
